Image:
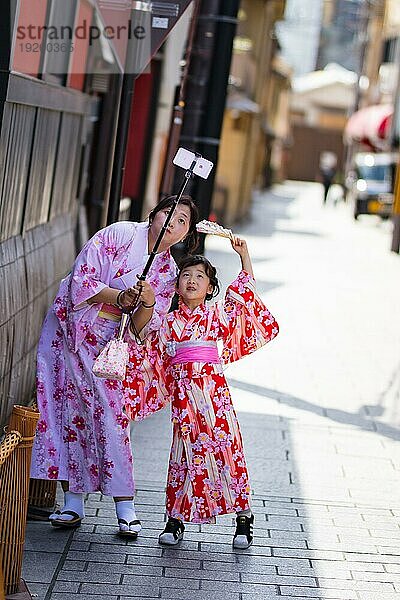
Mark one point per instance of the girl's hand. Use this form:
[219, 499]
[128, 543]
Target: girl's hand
[239, 245]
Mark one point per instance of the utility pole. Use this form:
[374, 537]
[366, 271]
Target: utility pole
[199, 76]
[394, 141]
[167, 180]
[363, 36]
[140, 15]
[216, 99]
[206, 90]
[396, 213]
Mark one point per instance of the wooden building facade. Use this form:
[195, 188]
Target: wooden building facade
[59, 107]
[46, 136]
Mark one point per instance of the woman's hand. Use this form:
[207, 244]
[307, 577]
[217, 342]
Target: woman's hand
[128, 299]
[144, 313]
[146, 294]
[141, 293]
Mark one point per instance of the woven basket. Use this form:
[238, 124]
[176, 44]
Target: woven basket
[15, 461]
[10, 442]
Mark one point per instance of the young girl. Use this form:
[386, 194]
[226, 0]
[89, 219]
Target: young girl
[207, 473]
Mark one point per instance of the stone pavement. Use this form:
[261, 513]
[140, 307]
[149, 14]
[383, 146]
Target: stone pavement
[320, 414]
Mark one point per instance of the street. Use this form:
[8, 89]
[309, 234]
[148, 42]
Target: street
[319, 409]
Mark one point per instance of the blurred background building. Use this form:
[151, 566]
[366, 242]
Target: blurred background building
[342, 32]
[299, 34]
[355, 67]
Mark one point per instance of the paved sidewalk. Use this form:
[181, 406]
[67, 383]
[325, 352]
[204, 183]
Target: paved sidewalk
[320, 413]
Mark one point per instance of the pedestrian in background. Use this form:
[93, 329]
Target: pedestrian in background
[207, 473]
[83, 434]
[327, 169]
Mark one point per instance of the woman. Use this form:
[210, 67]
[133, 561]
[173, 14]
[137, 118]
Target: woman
[83, 435]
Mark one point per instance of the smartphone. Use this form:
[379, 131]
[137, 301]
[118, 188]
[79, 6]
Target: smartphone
[184, 158]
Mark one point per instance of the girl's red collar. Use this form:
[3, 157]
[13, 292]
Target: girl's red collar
[187, 311]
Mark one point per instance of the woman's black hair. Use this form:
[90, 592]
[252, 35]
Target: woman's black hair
[192, 238]
[211, 272]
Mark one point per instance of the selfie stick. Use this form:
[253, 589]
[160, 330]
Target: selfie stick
[194, 164]
[203, 170]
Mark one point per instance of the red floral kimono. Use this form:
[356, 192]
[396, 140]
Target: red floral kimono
[207, 473]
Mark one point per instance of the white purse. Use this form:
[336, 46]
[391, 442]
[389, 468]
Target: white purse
[112, 361]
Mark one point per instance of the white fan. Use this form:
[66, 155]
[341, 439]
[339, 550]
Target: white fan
[214, 229]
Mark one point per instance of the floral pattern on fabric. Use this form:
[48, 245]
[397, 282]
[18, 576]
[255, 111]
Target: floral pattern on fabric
[83, 432]
[207, 473]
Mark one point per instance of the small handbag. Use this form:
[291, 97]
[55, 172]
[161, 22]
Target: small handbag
[112, 361]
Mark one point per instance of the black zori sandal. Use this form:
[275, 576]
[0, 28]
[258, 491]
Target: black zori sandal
[63, 524]
[132, 533]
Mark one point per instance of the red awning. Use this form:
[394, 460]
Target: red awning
[370, 126]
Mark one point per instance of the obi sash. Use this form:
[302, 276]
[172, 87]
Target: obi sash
[188, 352]
[110, 312]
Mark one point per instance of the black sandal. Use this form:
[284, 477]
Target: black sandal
[128, 532]
[75, 522]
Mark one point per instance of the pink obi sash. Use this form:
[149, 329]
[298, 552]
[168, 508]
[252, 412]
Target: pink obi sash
[188, 352]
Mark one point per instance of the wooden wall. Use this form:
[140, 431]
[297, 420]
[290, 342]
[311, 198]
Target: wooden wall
[30, 270]
[42, 140]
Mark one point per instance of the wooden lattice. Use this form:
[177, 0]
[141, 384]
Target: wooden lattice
[8, 444]
[14, 490]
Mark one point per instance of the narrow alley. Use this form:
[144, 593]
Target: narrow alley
[320, 414]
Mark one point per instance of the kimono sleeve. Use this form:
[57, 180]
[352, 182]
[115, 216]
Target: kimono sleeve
[247, 324]
[91, 272]
[144, 388]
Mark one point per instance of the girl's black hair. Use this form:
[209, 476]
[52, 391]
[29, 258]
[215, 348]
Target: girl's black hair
[211, 272]
[192, 238]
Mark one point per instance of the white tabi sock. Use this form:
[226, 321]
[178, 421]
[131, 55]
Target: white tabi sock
[125, 510]
[72, 502]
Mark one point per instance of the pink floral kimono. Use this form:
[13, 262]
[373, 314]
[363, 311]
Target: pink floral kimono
[207, 473]
[83, 434]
